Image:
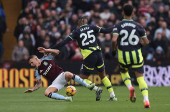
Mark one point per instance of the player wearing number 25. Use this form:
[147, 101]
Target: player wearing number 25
[92, 56]
[130, 37]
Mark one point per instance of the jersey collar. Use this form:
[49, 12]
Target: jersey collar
[83, 25]
[127, 20]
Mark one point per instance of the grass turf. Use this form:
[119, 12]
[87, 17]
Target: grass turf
[15, 100]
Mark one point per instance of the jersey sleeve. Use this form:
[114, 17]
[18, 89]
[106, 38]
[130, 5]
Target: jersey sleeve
[37, 75]
[50, 56]
[96, 28]
[142, 32]
[72, 35]
[116, 29]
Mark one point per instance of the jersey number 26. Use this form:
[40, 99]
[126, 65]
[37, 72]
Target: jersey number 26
[132, 40]
[86, 36]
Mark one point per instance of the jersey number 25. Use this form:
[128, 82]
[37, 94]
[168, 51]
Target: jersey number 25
[132, 40]
[86, 36]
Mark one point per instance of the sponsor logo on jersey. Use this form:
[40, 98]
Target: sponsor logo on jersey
[45, 63]
[47, 70]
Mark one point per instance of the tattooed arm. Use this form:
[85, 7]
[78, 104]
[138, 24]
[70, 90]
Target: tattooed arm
[37, 86]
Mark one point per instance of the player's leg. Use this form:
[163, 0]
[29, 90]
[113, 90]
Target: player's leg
[143, 87]
[85, 78]
[127, 80]
[69, 76]
[50, 92]
[57, 85]
[108, 85]
[86, 68]
[101, 72]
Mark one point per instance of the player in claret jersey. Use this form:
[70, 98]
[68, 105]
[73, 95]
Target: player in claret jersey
[49, 69]
[130, 37]
[92, 55]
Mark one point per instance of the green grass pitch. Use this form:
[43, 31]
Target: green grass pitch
[15, 100]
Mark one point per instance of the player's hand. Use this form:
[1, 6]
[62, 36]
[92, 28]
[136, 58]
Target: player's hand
[29, 91]
[113, 53]
[42, 50]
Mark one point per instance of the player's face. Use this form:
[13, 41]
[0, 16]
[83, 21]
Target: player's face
[33, 62]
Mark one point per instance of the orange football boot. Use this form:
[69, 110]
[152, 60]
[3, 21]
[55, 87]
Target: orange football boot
[132, 94]
[147, 104]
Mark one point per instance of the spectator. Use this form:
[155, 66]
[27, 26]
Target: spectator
[19, 52]
[104, 4]
[97, 7]
[105, 14]
[41, 22]
[160, 13]
[159, 54]
[28, 43]
[77, 55]
[67, 33]
[112, 19]
[24, 13]
[159, 41]
[111, 8]
[160, 30]
[73, 22]
[85, 6]
[52, 33]
[106, 42]
[27, 30]
[107, 53]
[62, 27]
[156, 4]
[20, 27]
[142, 9]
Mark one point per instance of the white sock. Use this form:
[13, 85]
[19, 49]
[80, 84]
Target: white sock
[112, 94]
[146, 98]
[129, 85]
[95, 88]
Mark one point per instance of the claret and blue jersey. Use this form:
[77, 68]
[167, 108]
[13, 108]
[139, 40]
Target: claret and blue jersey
[48, 68]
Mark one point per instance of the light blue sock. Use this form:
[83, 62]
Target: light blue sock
[80, 80]
[56, 96]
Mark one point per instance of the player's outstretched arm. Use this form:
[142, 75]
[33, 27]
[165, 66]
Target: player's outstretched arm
[106, 30]
[37, 86]
[54, 52]
[114, 42]
[62, 43]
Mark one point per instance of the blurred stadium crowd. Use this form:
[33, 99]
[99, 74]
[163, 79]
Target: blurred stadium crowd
[47, 22]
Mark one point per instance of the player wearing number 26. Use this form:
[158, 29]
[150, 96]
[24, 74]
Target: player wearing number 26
[92, 56]
[130, 37]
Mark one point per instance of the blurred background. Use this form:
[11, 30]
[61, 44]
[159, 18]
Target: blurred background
[28, 24]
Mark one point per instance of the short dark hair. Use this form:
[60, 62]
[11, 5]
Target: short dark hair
[32, 56]
[128, 9]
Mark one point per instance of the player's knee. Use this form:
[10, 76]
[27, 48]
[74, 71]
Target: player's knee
[69, 75]
[46, 93]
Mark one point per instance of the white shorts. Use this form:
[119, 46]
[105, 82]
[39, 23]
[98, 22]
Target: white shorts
[59, 82]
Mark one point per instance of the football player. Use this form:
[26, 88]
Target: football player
[130, 37]
[49, 69]
[92, 55]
